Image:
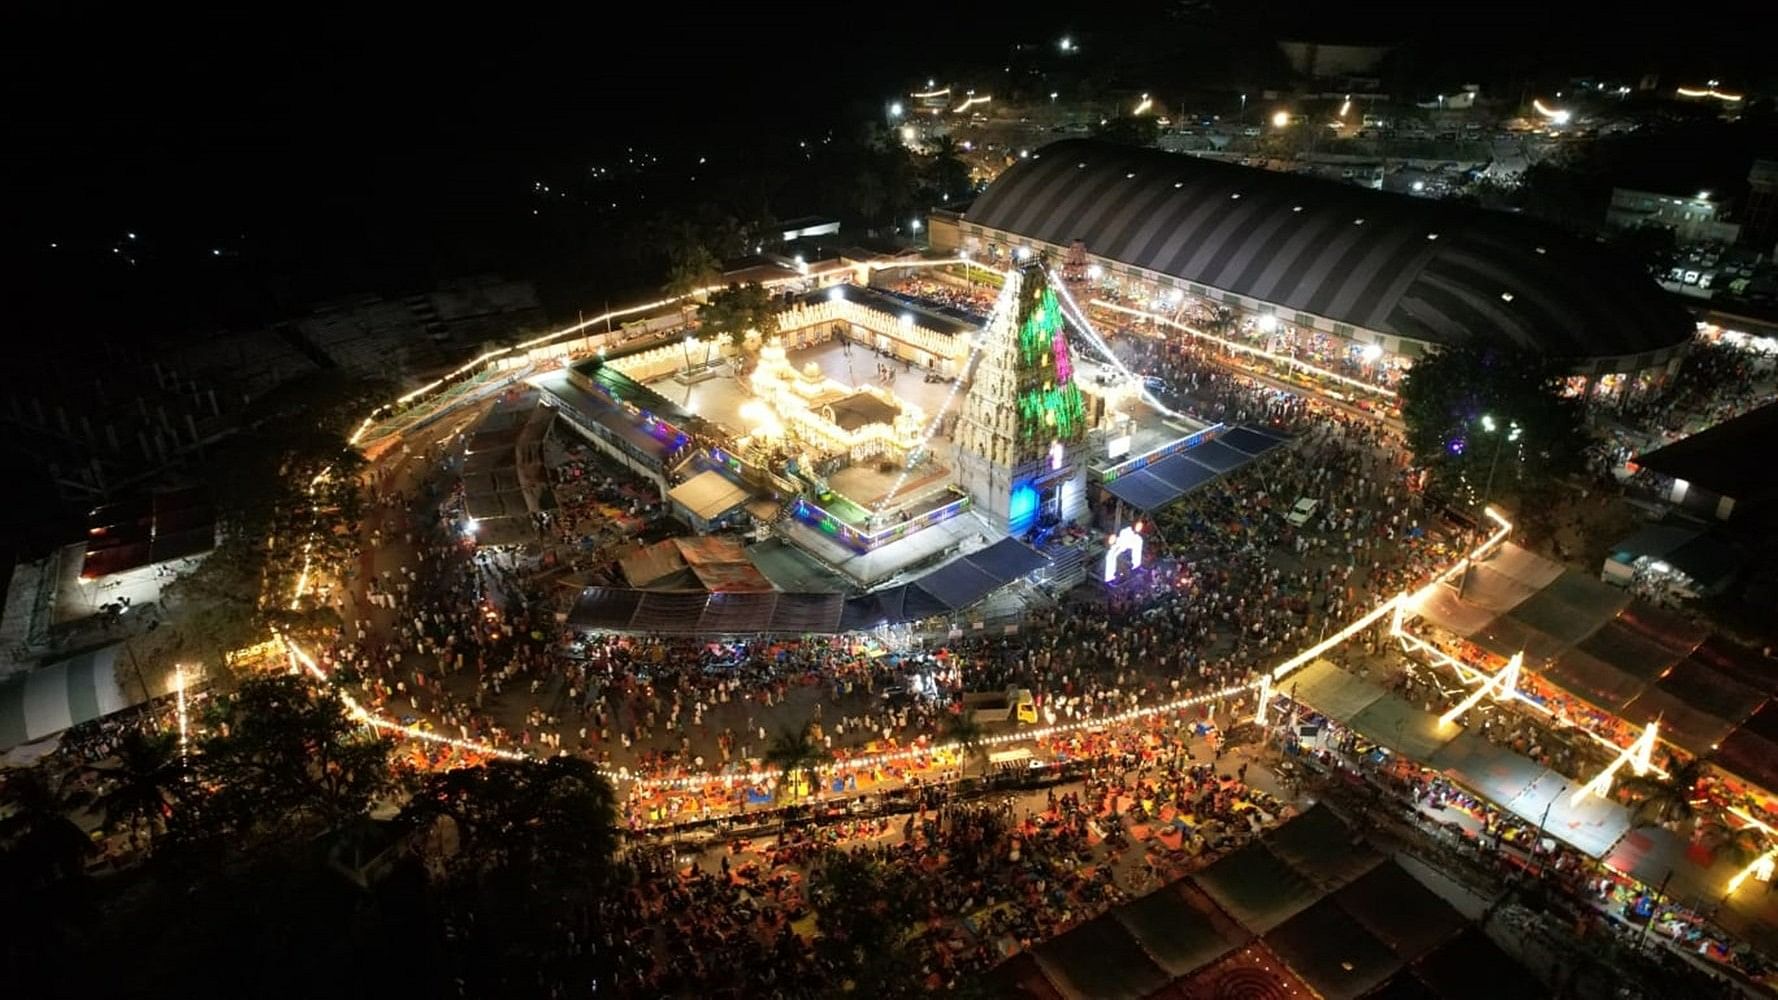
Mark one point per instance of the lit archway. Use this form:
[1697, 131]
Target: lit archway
[1126, 540]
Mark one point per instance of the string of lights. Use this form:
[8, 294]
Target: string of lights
[302, 579]
[1085, 326]
[300, 659]
[975, 350]
[612, 314]
[184, 718]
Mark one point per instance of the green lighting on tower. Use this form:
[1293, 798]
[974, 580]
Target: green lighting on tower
[1049, 403]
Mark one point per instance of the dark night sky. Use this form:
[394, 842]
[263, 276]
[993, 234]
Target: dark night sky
[325, 153]
[312, 147]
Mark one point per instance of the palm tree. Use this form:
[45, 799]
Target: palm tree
[797, 755]
[145, 783]
[968, 735]
[39, 844]
[1667, 802]
[1741, 843]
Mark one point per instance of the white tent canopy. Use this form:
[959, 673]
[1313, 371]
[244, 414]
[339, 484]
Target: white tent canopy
[50, 699]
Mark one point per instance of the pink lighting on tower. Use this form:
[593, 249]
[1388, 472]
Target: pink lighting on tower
[1064, 366]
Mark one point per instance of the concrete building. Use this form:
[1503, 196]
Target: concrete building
[1698, 218]
[1408, 275]
[1759, 219]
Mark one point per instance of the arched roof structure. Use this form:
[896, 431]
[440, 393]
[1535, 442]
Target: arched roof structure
[1422, 270]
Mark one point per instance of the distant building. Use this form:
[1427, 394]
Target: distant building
[1721, 471]
[1759, 219]
[1695, 219]
[808, 225]
[1392, 275]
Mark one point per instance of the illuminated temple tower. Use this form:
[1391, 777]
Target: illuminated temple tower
[1018, 439]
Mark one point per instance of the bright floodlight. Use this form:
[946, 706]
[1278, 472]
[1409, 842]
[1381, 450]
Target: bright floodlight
[835, 294]
[1268, 323]
[1372, 352]
[1280, 119]
[1022, 253]
[1066, 45]
[895, 110]
[916, 225]
[1487, 423]
[1094, 271]
[1556, 115]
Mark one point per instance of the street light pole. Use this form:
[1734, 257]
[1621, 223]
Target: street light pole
[1493, 467]
[1500, 443]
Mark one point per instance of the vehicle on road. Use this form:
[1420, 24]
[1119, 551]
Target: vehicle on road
[1301, 513]
[1013, 704]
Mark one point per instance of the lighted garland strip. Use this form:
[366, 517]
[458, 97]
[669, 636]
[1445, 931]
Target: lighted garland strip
[301, 660]
[607, 316]
[1085, 327]
[975, 350]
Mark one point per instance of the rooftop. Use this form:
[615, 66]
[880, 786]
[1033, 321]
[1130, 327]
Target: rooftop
[1724, 459]
[1430, 271]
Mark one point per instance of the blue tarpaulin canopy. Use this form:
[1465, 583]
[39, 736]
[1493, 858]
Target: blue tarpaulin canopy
[1172, 477]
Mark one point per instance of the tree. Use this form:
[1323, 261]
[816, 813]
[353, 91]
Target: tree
[969, 737]
[558, 815]
[286, 759]
[868, 194]
[1130, 130]
[145, 783]
[1450, 400]
[1665, 801]
[737, 309]
[276, 512]
[797, 755]
[535, 844]
[39, 845]
[692, 269]
[1741, 843]
[864, 907]
[947, 176]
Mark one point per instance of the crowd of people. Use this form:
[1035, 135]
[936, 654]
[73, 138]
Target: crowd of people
[975, 299]
[472, 644]
[971, 882]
